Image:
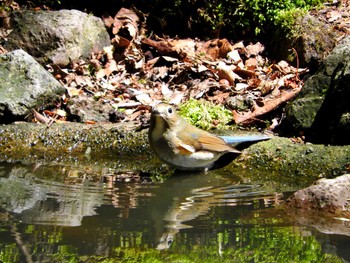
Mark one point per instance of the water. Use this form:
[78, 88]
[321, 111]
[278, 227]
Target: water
[65, 214]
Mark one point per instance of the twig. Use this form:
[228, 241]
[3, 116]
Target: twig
[297, 58]
[269, 105]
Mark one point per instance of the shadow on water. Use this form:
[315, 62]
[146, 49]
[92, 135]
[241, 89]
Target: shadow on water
[59, 214]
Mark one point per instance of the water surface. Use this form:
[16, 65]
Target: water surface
[61, 214]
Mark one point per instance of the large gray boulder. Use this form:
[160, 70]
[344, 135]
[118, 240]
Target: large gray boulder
[24, 85]
[57, 37]
[322, 109]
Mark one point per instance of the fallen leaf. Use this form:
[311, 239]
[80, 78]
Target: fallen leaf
[218, 48]
[187, 46]
[164, 48]
[162, 72]
[166, 92]
[251, 63]
[333, 15]
[121, 42]
[61, 113]
[40, 118]
[107, 20]
[241, 86]
[176, 98]
[73, 92]
[254, 49]
[244, 73]
[226, 72]
[125, 24]
[234, 56]
[111, 65]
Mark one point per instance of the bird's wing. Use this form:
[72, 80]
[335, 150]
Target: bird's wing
[194, 140]
[212, 143]
[187, 142]
[185, 149]
[199, 140]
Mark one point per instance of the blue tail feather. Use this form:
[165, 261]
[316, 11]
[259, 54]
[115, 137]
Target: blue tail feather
[245, 138]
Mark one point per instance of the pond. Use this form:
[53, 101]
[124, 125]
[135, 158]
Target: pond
[56, 213]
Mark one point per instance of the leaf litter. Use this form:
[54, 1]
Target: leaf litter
[138, 71]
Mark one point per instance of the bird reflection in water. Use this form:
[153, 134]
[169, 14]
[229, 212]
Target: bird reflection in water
[186, 197]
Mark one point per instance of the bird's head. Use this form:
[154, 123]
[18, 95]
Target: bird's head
[163, 116]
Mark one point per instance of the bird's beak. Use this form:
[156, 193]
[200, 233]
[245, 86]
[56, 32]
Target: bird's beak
[155, 111]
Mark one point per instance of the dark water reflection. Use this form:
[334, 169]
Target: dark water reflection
[56, 214]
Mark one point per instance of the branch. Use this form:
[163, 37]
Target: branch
[269, 105]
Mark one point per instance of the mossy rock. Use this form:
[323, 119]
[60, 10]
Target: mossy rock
[320, 111]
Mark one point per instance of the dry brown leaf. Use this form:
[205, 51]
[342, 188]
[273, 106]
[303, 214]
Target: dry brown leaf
[265, 87]
[199, 89]
[244, 73]
[254, 49]
[226, 72]
[164, 47]
[83, 81]
[95, 63]
[134, 115]
[107, 20]
[251, 63]
[121, 42]
[284, 67]
[218, 48]
[73, 92]
[235, 57]
[333, 15]
[162, 72]
[60, 113]
[126, 24]
[111, 65]
[187, 46]
[166, 92]
[169, 59]
[150, 63]
[254, 82]
[69, 78]
[40, 118]
[241, 86]
[238, 45]
[176, 98]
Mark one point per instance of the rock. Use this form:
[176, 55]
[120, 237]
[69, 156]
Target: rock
[312, 39]
[57, 37]
[322, 110]
[316, 41]
[326, 195]
[68, 142]
[24, 85]
[84, 109]
[239, 103]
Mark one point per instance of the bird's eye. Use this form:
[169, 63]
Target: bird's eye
[170, 110]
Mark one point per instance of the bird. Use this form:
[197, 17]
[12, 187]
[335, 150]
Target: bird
[187, 147]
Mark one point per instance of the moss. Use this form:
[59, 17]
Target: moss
[205, 115]
[296, 165]
[121, 148]
[303, 111]
[286, 20]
